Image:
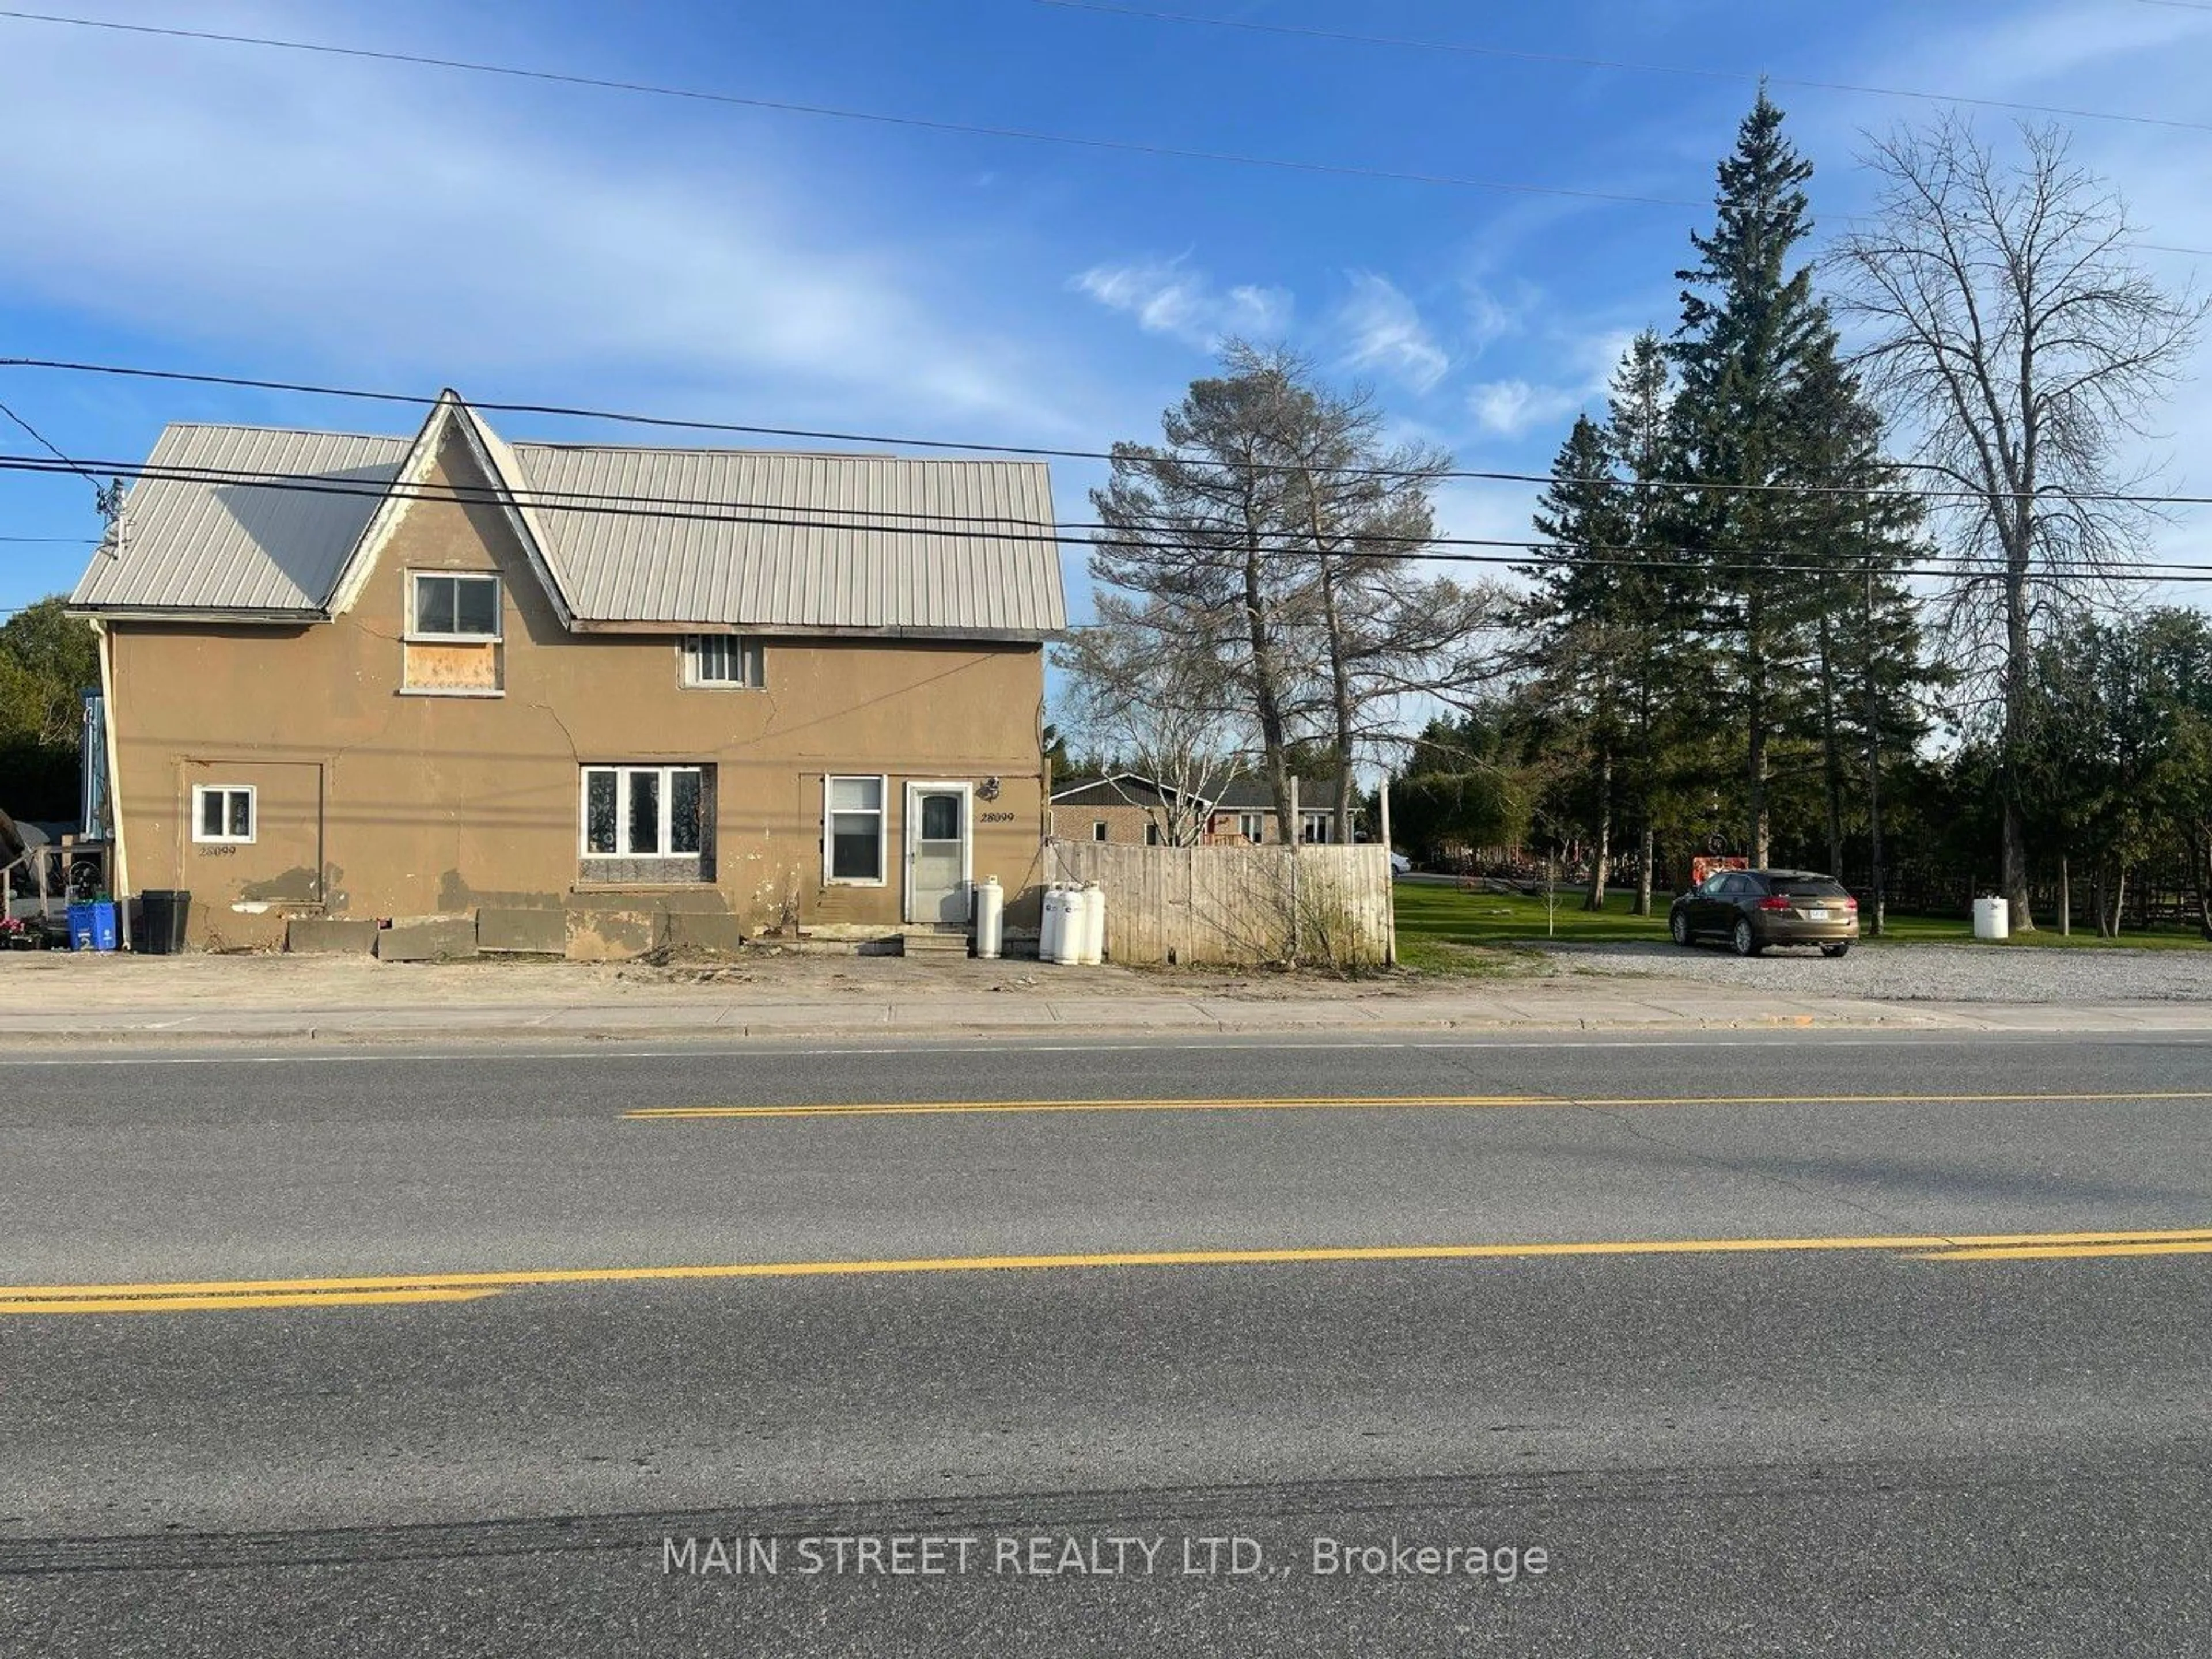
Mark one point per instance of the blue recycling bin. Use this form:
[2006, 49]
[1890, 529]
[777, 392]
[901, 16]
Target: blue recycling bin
[92, 926]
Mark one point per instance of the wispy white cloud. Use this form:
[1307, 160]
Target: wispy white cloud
[1167, 296]
[1383, 334]
[1506, 409]
[223, 197]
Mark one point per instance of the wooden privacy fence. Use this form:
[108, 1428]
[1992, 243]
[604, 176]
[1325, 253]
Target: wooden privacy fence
[1242, 905]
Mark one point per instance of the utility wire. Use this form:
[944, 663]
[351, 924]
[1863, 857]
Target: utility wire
[1038, 452]
[1518, 55]
[629, 507]
[1028, 135]
[47, 444]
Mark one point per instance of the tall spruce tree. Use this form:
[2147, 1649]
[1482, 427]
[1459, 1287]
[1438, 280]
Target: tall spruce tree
[1581, 618]
[1756, 354]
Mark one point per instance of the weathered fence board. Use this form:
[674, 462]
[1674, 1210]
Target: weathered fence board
[1237, 904]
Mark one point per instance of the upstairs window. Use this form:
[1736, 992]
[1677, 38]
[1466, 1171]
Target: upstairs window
[724, 660]
[455, 607]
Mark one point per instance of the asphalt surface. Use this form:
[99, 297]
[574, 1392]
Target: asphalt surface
[1901, 1446]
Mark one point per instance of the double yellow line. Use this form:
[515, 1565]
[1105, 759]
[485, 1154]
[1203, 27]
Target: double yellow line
[1377, 1103]
[203, 1295]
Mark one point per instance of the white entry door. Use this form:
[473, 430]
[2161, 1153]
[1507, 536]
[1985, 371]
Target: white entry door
[938, 852]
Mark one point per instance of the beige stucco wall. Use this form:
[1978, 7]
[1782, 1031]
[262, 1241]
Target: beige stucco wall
[374, 802]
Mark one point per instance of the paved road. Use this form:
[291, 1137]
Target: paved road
[370, 1353]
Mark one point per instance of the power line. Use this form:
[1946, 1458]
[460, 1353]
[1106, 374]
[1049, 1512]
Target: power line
[47, 444]
[1044, 453]
[770, 517]
[1470, 49]
[784, 106]
[55, 541]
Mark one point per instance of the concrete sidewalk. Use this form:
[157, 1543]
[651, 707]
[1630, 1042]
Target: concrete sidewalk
[1001, 1000]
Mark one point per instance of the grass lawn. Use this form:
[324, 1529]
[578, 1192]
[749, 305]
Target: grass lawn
[1441, 929]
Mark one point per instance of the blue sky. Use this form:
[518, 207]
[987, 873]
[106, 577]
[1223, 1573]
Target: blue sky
[235, 210]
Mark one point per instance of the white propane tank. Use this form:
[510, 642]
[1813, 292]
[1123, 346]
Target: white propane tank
[1094, 925]
[990, 919]
[1068, 945]
[1054, 925]
[1991, 919]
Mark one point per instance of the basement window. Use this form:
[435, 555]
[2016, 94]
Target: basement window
[724, 660]
[223, 813]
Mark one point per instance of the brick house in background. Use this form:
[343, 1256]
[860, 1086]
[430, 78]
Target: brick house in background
[1130, 810]
[600, 698]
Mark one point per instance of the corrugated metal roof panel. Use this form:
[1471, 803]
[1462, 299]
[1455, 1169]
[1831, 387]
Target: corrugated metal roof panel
[211, 546]
[714, 537]
[923, 546]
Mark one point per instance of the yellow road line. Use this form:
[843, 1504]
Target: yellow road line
[1376, 1102]
[2063, 1252]
[154, 1302]
[457, 1286]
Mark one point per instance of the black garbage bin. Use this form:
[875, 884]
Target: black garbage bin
[162, 913]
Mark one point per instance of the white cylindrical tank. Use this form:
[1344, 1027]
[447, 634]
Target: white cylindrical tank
[1992, 919]
[1093, 934]
[1069, 950]
[1052, 934]
[990, 918]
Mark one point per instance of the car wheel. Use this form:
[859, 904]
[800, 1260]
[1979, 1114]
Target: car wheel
[1679, 925]
[1835, 950]
[1747, 942]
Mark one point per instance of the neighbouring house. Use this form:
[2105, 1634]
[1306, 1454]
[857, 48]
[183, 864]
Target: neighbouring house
[1129, 810]
[597, 698]
[1245, 809]
[1125, 809]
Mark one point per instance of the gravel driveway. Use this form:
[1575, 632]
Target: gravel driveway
[1912, 972]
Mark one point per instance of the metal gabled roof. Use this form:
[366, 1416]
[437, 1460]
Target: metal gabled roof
[640, 538]
[227, 547]
[775, 541]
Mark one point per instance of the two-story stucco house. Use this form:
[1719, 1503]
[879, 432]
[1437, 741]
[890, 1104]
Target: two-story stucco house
[599, 697]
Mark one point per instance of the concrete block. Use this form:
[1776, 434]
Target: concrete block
[719, 934]
[328, 936]
[597, 935]
[426, 939]
[533, 932]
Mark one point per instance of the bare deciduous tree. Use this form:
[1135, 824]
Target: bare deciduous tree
[1142, 685]
[2011, 333]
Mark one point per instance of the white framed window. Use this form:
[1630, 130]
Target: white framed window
[724, 660]
[645, 811]
[1152, 835]
[1099, 829]
[224, 812]
[452, 605]
[853, 831]
[1253, 826]
[1317, 827]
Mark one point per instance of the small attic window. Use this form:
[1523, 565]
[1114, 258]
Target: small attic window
[454, 607]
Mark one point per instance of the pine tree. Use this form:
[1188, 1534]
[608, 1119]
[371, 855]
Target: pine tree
[1749, 324]
[1581, 627]
[1779, 458]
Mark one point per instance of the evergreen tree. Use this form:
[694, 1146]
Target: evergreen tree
[1755, 352]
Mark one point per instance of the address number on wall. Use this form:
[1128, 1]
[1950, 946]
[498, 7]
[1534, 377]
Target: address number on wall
[995, 817]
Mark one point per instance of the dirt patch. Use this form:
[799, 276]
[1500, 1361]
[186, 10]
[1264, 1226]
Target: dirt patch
[57, 982]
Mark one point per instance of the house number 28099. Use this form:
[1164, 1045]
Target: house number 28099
[995, 817]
